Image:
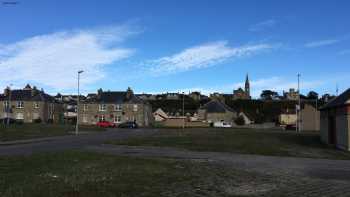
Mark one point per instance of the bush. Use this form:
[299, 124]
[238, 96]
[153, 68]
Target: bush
[240, 120]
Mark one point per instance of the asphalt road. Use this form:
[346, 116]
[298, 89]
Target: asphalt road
[61, 143]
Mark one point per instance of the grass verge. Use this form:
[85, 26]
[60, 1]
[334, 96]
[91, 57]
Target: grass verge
[29, 131]
[245, 141]
[83, 174]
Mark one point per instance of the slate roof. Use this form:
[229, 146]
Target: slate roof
[26, 95]
[216, 107]
[113, 97]
[339, 100]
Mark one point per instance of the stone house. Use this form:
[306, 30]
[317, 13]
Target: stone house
[335, 121]
[30, 105]
[116, 107]
[216, 111]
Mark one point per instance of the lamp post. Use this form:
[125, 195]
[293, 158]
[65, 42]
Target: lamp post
[299, 107]
[77, 123]
[183, 110]
[8, 106]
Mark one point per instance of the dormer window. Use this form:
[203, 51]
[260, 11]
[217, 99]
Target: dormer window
[19, 104]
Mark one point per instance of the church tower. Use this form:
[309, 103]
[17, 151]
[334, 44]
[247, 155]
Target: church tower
[247, 86]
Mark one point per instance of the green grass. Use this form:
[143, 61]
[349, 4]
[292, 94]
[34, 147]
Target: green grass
[29, 131]
[245, 141]
[83, 174]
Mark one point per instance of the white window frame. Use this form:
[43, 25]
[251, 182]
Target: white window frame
[117, 119]
[19, 104]
[85, 118]
[102, 107]
[118, 107]
[135, 108]
[36, 105]
[19, 116]
[101, 118]
[85, 107]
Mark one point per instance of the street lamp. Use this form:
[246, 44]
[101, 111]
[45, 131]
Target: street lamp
[183, 110]
[77, 123]
[8, 106]
[299, 107]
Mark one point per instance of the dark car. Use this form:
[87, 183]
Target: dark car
[130, 124]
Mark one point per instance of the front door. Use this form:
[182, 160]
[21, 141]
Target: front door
[331, 130]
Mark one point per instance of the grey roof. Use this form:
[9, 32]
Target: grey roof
[215, 106]
[26, 95]
[339, 100]
[113, 97]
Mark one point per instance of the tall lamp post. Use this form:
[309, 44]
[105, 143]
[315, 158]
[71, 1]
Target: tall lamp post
[299, 103]
[77, 123]
[8, 106]
[183, 110]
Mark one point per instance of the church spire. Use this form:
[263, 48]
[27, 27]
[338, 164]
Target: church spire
[247, 85]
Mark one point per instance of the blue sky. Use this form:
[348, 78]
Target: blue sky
[170, 46]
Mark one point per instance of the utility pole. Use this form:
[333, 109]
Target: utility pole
[183, 110]
[299, 105]
[8, 106]
[77, 123]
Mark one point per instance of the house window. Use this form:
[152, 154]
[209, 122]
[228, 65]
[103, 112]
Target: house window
[118, 107]
[36, 105]
[134, 108]
[19, 116]
[85, 107]
[102, 107]
[19, 104]
[117, 119]
[35, 116]
[85, 119]
[6, 103]
[102, 118]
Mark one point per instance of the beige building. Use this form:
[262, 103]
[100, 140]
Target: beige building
[335, 122]
[116, 107]
[216, 111]
[310, 118]
[30, 105]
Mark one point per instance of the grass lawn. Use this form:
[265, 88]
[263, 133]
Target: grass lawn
[245, 141]
[83, 174]
[28, 131]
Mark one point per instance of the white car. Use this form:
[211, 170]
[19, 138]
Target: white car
[222, 124]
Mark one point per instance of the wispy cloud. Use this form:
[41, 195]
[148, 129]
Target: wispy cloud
[321, 43]
[202, 56]
[263, 25]
[52, 60]
[344, 52]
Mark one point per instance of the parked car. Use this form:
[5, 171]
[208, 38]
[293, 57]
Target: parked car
[105, 124]
[130, 124]
[222, 124]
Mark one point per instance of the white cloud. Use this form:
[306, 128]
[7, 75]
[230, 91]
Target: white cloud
[52, 60]
[344, 52]
[202, 56]
[321, 43]
[263, 25]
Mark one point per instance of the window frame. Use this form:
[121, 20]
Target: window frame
[102, 107]
[19, 104]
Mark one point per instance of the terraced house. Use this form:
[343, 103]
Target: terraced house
[116, 107]
[29, 105]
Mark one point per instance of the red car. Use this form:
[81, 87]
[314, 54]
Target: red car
[105, 124]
